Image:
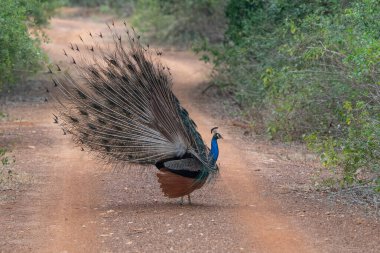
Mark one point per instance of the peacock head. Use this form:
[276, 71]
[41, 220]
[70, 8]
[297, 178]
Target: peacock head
[216, 135]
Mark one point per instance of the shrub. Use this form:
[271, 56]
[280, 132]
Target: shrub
[20, 51]
[308, 71]
[97, 3]
[180, 22]
[119, 7]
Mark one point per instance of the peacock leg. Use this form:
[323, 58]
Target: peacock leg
[188, 197]
[181, 201]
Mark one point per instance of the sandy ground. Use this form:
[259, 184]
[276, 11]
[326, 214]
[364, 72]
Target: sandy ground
[74, 203]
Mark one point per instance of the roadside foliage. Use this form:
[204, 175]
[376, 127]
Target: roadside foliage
[180, 22]
[21, 36]
[308, 71]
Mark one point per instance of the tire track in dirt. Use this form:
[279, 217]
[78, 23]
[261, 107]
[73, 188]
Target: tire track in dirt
[47, 215]
[268, 229]
[75, 209]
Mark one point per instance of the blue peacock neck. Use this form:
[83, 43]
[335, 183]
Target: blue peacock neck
[214, 149]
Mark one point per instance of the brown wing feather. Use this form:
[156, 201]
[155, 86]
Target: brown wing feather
[175, 186]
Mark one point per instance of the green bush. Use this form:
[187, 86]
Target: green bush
[308, 71]
[9, 178]
[20, 37]
[180, 22]
[4, 159]
[120, 7]
[97, 3]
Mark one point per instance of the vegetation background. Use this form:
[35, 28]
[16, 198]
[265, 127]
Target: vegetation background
[297, 70]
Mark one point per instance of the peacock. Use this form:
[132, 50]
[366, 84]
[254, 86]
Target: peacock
[117, 101]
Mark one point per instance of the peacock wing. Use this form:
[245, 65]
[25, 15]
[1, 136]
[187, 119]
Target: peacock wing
[188, 164]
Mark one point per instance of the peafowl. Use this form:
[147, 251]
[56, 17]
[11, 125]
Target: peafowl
[120, 106]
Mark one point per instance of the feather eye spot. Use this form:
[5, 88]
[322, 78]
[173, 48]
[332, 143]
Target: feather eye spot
[91, 126]
[83, 112]
[117, 128]
[97, 88]
[96, 106]
[81, 94]
[55, 119]
[113, 62]
[102, 121]
[73, 119]
[125, 78]
[131, 67]
[108, 87]
[110, 75]
[111, 103]
[95, 72]
[126, 112]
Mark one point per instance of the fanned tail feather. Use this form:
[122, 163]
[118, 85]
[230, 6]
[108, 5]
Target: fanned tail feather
[121, 104]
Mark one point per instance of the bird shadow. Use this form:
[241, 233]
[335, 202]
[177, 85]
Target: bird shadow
[164, 206]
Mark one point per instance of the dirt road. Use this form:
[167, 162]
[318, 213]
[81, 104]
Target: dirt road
[73, 203]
